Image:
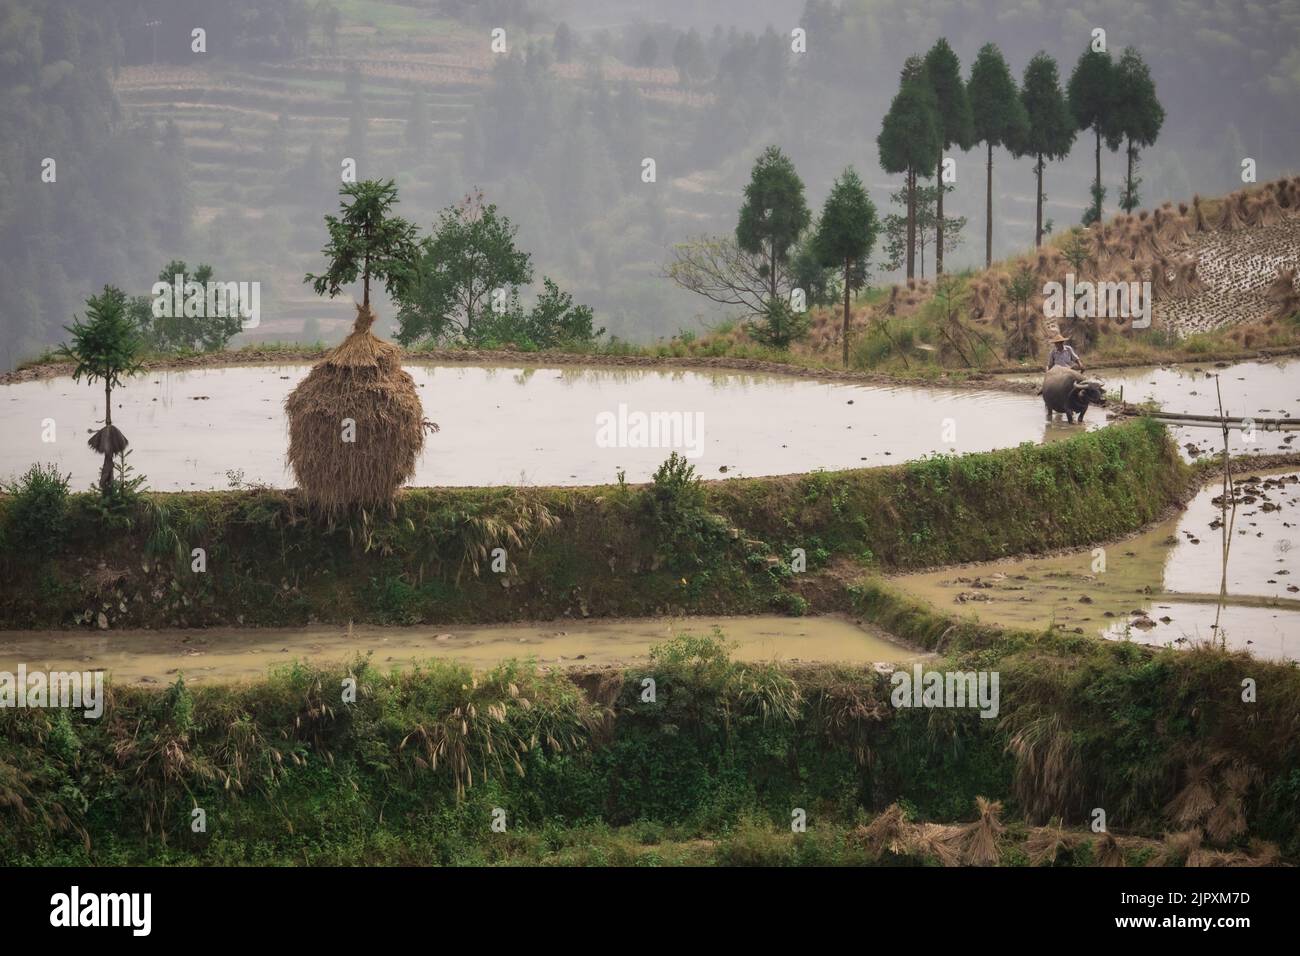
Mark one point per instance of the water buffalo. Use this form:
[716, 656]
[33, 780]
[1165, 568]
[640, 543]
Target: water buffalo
[1065, 390]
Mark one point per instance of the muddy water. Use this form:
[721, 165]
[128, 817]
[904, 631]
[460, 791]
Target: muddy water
[507, 426]
[1250, 389]
[240, 654]
[1160, 587]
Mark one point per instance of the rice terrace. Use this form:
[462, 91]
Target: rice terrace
[565, 434]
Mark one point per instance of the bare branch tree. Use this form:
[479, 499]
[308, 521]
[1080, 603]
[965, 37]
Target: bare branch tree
[716, 268]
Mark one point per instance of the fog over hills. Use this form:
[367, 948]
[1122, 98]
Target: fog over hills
[231, 156]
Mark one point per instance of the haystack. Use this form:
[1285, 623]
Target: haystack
[1230, 218]
[1282, 295]
[364, 465]
[1199, 223]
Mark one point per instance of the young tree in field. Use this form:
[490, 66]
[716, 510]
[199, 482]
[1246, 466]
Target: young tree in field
[1051, 129]
[470, 254]
[104, 348]
[846, 234]
[1138, 116]
[774, 214]
[956, 124]
[1091, 95]
[999, 119]
[910, 140]
[366, 240]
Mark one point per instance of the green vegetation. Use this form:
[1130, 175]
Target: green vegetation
[845, 234]
[1139, 118]
[105, 348]
[773, 215]
[366, 240]
[911, 136]
[186, 330]
[470, 256]
[1149, 735]
[37, 512]
[626, 550]
[999, 120]
[956, 128]
[1049, 128]
[590, 767]
[1091, 94]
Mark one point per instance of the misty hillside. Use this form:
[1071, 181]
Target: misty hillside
[232, 156]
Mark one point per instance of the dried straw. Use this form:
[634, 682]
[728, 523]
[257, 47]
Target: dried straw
[362, 380]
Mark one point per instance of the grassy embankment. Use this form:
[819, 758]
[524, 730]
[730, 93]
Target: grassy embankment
[671, 546]
[586, 770]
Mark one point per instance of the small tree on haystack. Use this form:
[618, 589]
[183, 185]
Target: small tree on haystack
[366, 240]
[356, 426]
[105, 348]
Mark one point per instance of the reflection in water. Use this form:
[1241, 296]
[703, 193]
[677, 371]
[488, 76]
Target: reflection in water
[1160, 587]
[505, 426]
[228, 654]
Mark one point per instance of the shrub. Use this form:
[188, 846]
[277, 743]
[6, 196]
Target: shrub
[38, 512]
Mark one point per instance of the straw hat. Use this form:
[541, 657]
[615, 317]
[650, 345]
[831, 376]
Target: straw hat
[1059, 338]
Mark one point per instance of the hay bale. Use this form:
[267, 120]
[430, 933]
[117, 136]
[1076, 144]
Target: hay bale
[361, 379]
[888, 832]
[1106, 851]
[1199, 223]
[1045, 844]
[1230, 217]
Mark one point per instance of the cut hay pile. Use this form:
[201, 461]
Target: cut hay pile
[361, 380]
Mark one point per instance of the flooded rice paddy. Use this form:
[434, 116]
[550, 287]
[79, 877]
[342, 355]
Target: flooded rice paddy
[1160, 587]
[203, 429]
[229, 654]
[1269, 389]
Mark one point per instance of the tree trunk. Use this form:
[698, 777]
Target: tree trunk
[847, 265]
[1097, 181]
[106, 472]
[988, 210]
[771, 269]
[911, 223]
[1038, 212]
[1128, 180]
[365, 283]
[938, 220]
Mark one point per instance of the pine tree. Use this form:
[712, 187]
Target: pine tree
[999, 119]
[846, 234]
[1138, 116]
[105, 347]
[774, 214]
[1051, 129]
[910, 140]
[366, 240]
[956, 124]
[1091, 94]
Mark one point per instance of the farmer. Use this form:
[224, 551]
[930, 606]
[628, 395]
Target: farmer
[1062, 354]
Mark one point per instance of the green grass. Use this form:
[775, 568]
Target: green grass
[727, 550]
[587, 772]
